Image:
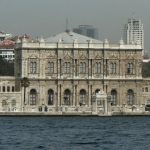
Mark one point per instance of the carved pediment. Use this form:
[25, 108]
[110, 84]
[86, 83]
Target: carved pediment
[130, 56]
[67, 56]
[82, 55]
[33, 56]
[114, 56]
[98, 56]
[51, 54]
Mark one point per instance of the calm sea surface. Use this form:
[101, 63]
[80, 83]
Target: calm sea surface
[74, 133]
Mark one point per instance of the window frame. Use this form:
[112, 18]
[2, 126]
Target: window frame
[82, 67]
[130, 68]
[82, 100]
[98, 67]
[67, 67]
[113, 97]
[50, 97]
[50, 67]
[113, 68]
[130, 97]
[33, 67]
[33, 97]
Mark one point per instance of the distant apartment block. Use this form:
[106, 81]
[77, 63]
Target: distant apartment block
[134, 32]
[87, 30]
[7, 49]
[7, 45]
[4, 35]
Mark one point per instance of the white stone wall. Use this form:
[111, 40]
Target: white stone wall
[90, 53]
[10, 100]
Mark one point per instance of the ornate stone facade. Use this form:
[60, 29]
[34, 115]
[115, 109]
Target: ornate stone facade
[10, 100]
[67, 70]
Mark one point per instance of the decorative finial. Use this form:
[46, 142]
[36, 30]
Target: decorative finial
[24, 39]
[106, 41]
[18, 40]
[42, 40]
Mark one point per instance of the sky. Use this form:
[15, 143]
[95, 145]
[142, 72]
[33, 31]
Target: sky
[48, 17]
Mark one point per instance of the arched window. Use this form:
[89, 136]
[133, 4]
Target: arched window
[146, 89]
[97, 67]
[113, 68]
[33, 67]
[50, 97]
[130, 97]
[130, 68]
[33, 97]
[67, 97]
[113, 97]
[96, 92]
[67, 67]
[82, 67]
[50, 67]
[82, 97]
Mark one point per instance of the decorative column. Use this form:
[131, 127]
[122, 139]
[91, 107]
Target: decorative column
[23, 67]
[61, 94]
[74, 68]
[77, 95]
[58, 95]
[74, 99]
[89, 91]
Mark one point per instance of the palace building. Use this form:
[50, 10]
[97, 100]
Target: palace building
[66, 71]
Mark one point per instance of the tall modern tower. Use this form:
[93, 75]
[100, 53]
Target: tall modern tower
[134, 32]
[87, 30]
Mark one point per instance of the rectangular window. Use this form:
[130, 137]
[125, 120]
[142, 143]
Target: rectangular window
[50, 67]
[33, 67]
[82, 67]
[32, 99]
[8, 89]
[113, 68]
[98, 67]
[3, 88]
[13, 88]
[130, 68]
[67, 67]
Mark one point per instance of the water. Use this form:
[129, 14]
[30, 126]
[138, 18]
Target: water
[74, 133]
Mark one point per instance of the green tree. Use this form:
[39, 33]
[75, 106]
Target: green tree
[25, 83]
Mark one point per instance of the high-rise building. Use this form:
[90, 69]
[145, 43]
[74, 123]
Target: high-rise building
[134, 32]
[87, 30]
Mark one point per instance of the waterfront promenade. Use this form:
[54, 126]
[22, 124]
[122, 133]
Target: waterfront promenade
[73, 114]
